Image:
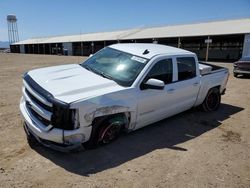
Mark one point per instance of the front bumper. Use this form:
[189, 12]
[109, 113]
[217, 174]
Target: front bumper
[238, 71]
[50, 144]
[53, 138]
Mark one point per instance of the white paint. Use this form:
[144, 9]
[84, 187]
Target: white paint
[94, 96]
[154, 49]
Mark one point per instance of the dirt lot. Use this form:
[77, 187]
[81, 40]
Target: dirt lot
[192, 149]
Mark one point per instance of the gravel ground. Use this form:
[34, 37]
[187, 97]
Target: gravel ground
[192, 149]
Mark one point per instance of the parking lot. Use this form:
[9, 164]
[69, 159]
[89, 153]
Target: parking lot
[192, 149]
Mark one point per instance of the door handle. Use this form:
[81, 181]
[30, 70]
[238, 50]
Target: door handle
[195, 84]
[170, 90]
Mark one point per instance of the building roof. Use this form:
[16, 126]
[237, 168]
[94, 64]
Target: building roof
[138, 49]
[226, 27]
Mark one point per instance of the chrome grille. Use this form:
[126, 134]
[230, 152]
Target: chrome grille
[37, 106]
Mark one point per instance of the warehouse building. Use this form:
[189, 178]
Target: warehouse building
[226, 40]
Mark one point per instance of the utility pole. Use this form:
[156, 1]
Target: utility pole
[179, 42]
[207, 41]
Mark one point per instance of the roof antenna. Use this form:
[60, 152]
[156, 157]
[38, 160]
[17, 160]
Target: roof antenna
[145, 52]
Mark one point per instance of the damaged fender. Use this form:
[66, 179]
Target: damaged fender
[105, 111]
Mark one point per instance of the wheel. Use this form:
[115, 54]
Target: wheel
[32, 141]
[235, 75]
[212, 100]
[30, 138]
[105, 131]
[109, 132]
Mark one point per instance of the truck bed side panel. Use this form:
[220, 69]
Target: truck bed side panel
[216, 78]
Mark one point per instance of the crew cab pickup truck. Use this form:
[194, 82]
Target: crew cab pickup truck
[123, 87]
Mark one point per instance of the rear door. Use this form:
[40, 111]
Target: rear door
[187, 83]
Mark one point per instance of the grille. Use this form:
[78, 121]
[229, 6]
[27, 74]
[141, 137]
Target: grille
[34, 113]
[37, 101]
[44, 108]
[40, 112]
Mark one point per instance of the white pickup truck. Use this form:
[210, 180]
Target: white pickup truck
[122, 87]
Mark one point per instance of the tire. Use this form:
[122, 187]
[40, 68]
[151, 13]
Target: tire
[212, 100]
[109, 132]
[105, 131]
[32, 141]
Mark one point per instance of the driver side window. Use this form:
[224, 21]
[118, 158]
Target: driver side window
[162, 70]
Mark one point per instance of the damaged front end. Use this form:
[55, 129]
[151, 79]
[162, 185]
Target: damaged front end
[48, 120]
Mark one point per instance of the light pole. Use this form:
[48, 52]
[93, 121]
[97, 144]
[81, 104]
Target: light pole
[207, 41]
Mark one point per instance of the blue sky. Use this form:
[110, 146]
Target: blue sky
[61, 17]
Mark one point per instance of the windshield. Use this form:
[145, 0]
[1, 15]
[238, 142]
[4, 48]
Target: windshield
[116, 65]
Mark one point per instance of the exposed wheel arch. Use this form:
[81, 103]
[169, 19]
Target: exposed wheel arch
[101, 126]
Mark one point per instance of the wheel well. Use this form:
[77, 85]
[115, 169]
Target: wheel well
[124, 117]
[218, 87]
[97, 124]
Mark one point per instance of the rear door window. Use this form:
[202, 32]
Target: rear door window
[186, 68]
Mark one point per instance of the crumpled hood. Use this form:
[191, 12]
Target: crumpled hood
[70, 83]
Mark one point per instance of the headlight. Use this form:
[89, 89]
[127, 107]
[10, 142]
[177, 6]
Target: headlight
[75, 118]
[63, 118]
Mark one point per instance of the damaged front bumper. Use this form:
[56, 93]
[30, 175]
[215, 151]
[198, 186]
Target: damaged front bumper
[55, 138]
[50, 144]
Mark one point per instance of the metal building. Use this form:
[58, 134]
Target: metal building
[226, 40]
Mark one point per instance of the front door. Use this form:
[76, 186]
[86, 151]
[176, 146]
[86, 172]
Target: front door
[153, 104]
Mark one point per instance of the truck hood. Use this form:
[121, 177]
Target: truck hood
[70, 83]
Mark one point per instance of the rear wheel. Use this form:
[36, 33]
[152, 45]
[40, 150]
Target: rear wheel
[212, 100]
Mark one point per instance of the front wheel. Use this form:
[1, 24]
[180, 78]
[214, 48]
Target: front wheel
[104, 132]
[109, 132]
[212, 100]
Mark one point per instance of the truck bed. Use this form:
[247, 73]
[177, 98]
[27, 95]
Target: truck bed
[216, 77]
[206, 68]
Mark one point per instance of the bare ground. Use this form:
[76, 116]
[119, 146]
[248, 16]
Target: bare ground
[192, 149]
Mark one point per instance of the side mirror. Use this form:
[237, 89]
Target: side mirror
[154, 84]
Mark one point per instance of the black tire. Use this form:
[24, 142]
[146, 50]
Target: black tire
[235, 75]
[212, 100]
[109, 132]
[32, 141]
[104, 131]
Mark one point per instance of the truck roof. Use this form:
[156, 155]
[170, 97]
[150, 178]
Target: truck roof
[152, 49]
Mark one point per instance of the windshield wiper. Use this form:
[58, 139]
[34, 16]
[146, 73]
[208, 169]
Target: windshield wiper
[97, 72]
[87, 67]
[102, 74]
